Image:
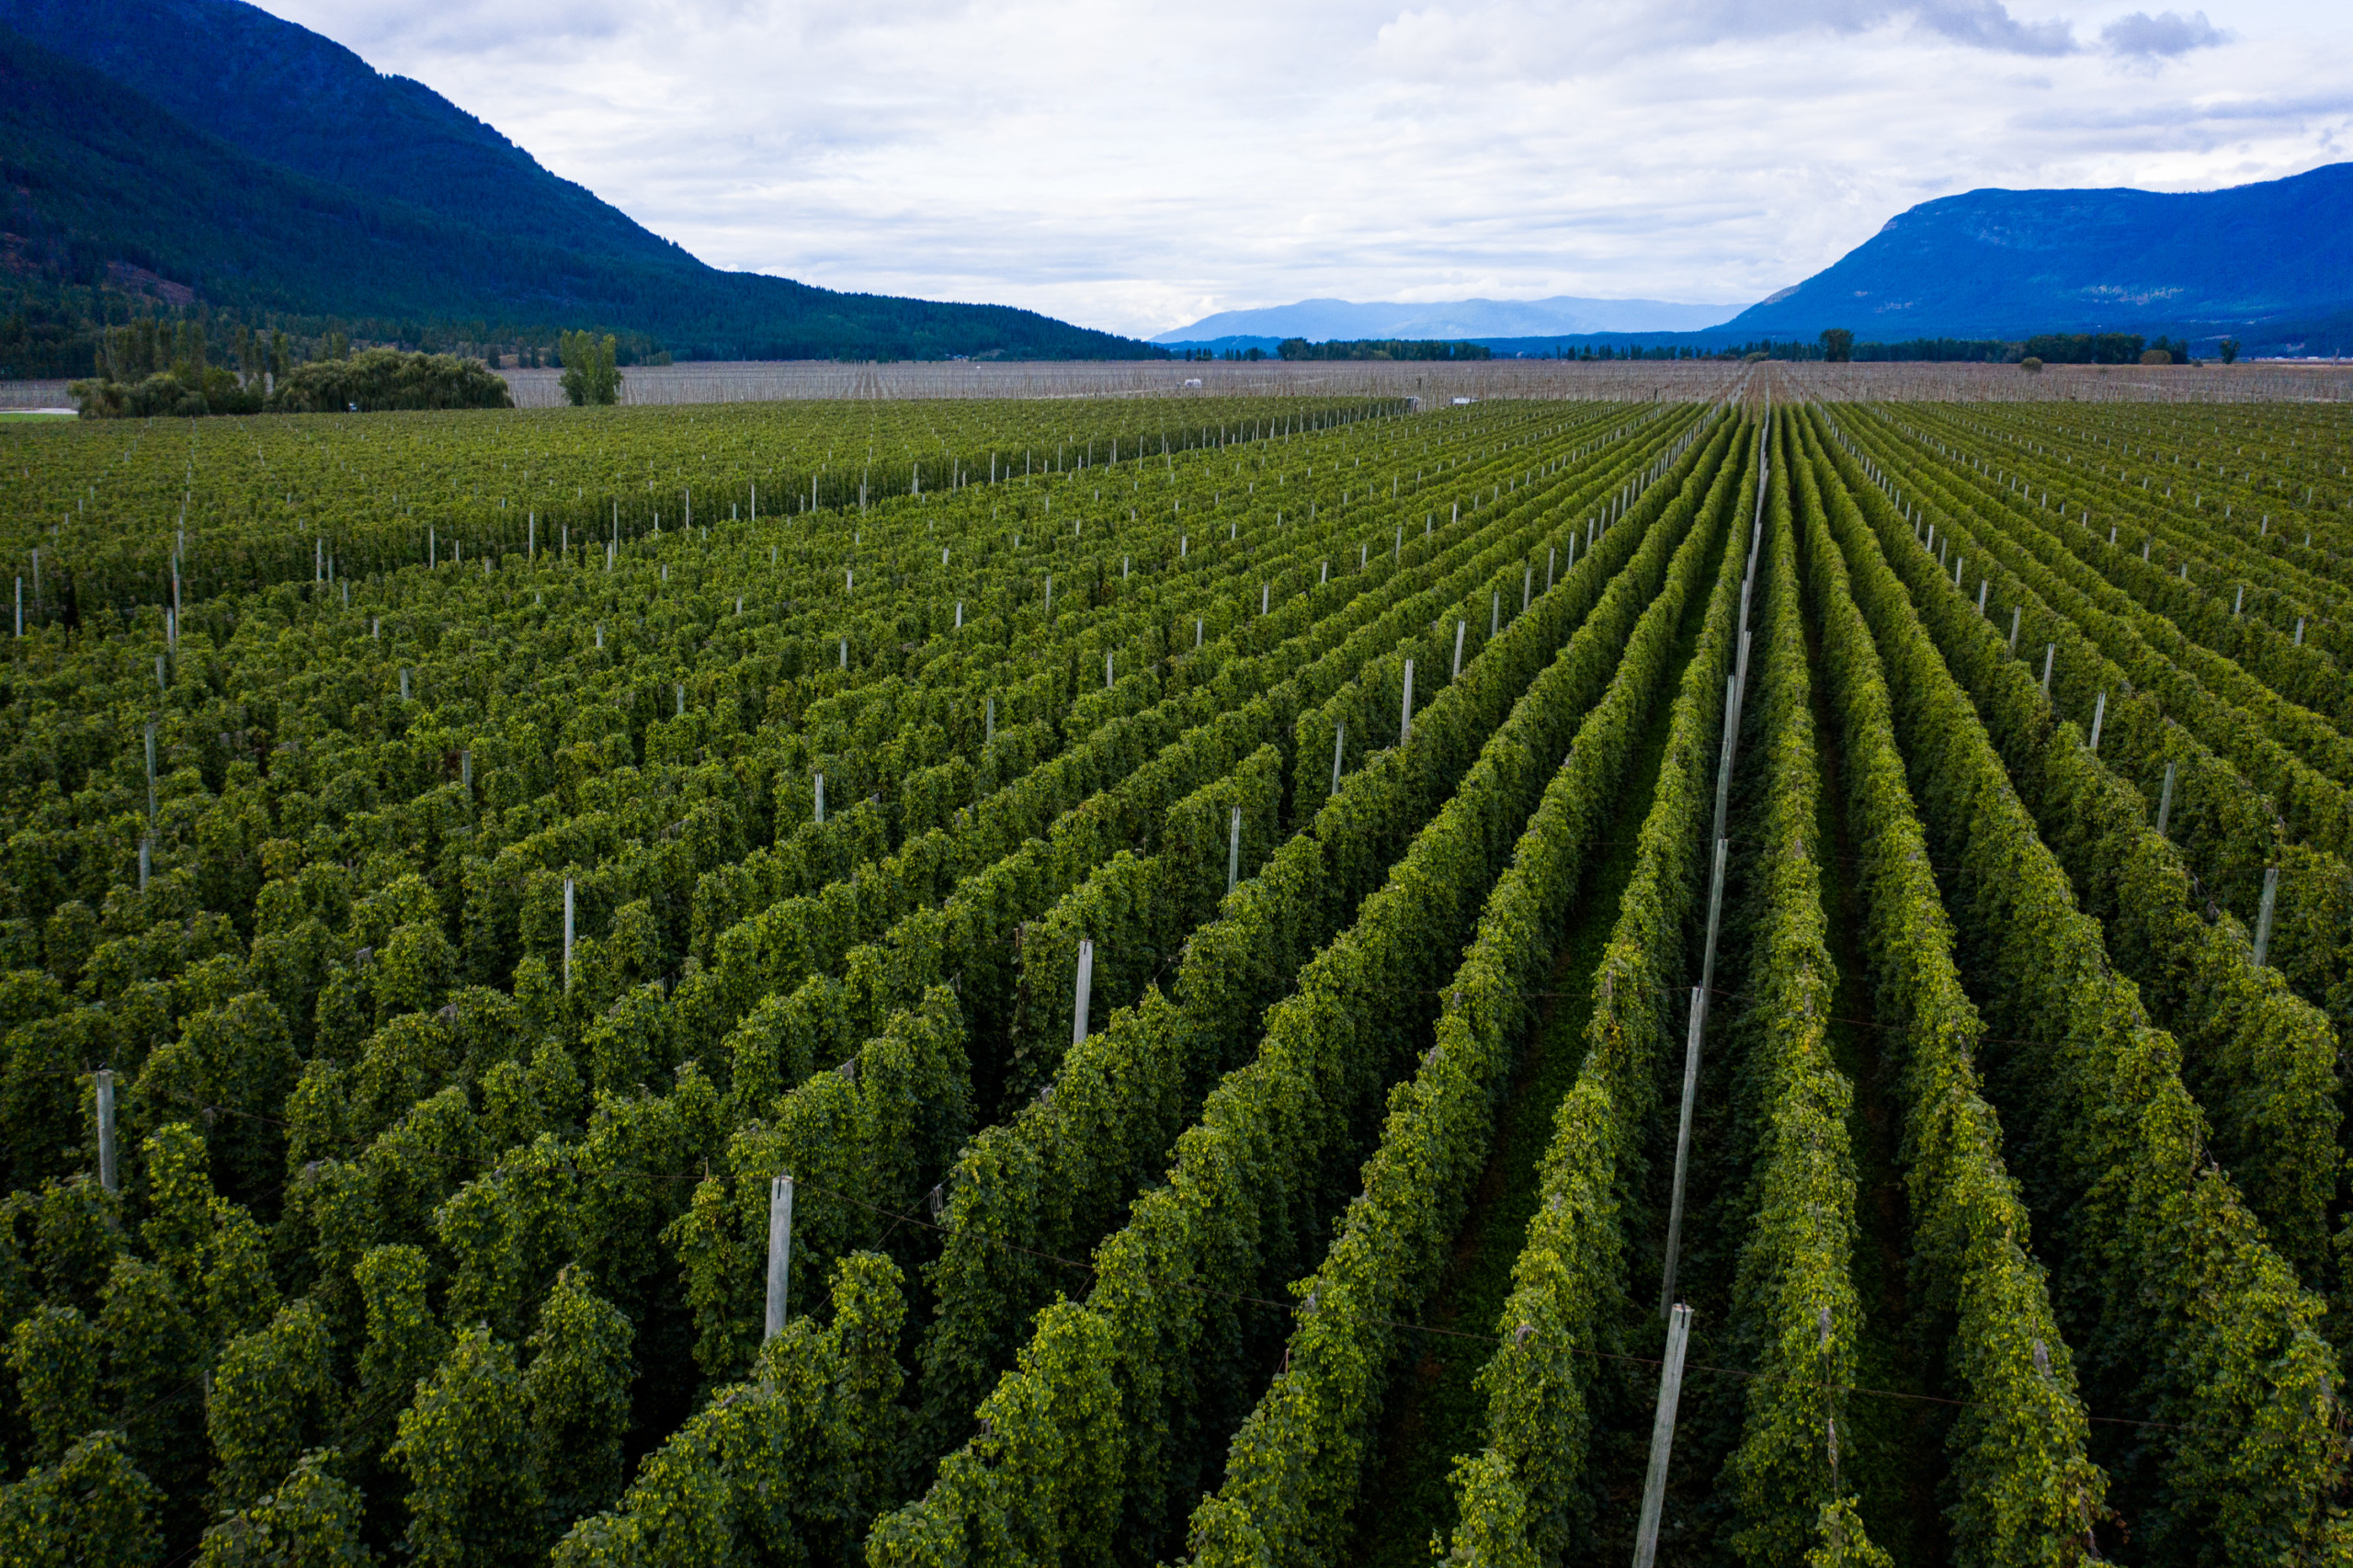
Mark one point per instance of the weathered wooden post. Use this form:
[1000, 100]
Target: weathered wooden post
[780, 1253]
[1670, 1394]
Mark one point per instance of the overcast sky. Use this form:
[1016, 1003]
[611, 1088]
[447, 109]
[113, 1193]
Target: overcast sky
[1134, 167]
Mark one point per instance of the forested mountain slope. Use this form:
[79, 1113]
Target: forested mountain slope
[270, 169]
[2010, 262]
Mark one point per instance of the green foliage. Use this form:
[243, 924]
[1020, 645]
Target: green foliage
[1528, 1493]
[2022, 1489]
[211, 1248]
[403, 1343]
[786, 1467]
[1295, 1465]
[374, 380]
[473, 1499]
[357, 1075]
[1839, 1541]
[379, 379]
[2262, 744]
[232, 1065]
[507, 1230]
[1137, 910]
[311, 998]
[967, 934]
[2115, 1143]
[310, 1520]
[1937, 351]
[271, 1400]
[2087, 348]
[588, 373]
[2261, 1062]
[92, 1506]
[1270, 1157]
[860, 1137]
[54, 1352]
[61, 1241]
[155, 1358]
[1797, 1316]
[1232, 970]
[578, 1390]
[166, 396]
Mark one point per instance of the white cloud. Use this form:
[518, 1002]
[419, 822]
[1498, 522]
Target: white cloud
[1137, 164]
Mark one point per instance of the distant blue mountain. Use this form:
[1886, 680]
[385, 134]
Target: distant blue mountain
[2010, 263]
[1321, 321]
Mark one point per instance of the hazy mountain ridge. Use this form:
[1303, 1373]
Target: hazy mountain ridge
[1321, 321]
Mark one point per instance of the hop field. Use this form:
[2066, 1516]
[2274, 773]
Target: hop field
[1131, 980]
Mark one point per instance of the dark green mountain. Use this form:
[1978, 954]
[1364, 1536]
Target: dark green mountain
[287, 96]
[2254, 260]
[274, 171]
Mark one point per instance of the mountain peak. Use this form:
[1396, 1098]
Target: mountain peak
[1996, 262]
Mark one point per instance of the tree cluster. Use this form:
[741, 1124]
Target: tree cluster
[370, 381]
[379, 379]
[2098, 347]
[588, 373]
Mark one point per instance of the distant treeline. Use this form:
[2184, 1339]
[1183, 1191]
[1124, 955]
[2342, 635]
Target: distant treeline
[2052, 349]
[1942, 350]
[1838, 348]
[1645, 351]
[2098, 347]
[371, 380]
[1382, 348]
[51, 331]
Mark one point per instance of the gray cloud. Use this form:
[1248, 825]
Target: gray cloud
[2167, 34]
[1987, 24]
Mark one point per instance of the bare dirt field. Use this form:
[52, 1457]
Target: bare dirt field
[1441, 383]
[1435, 382]
[34, 394]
